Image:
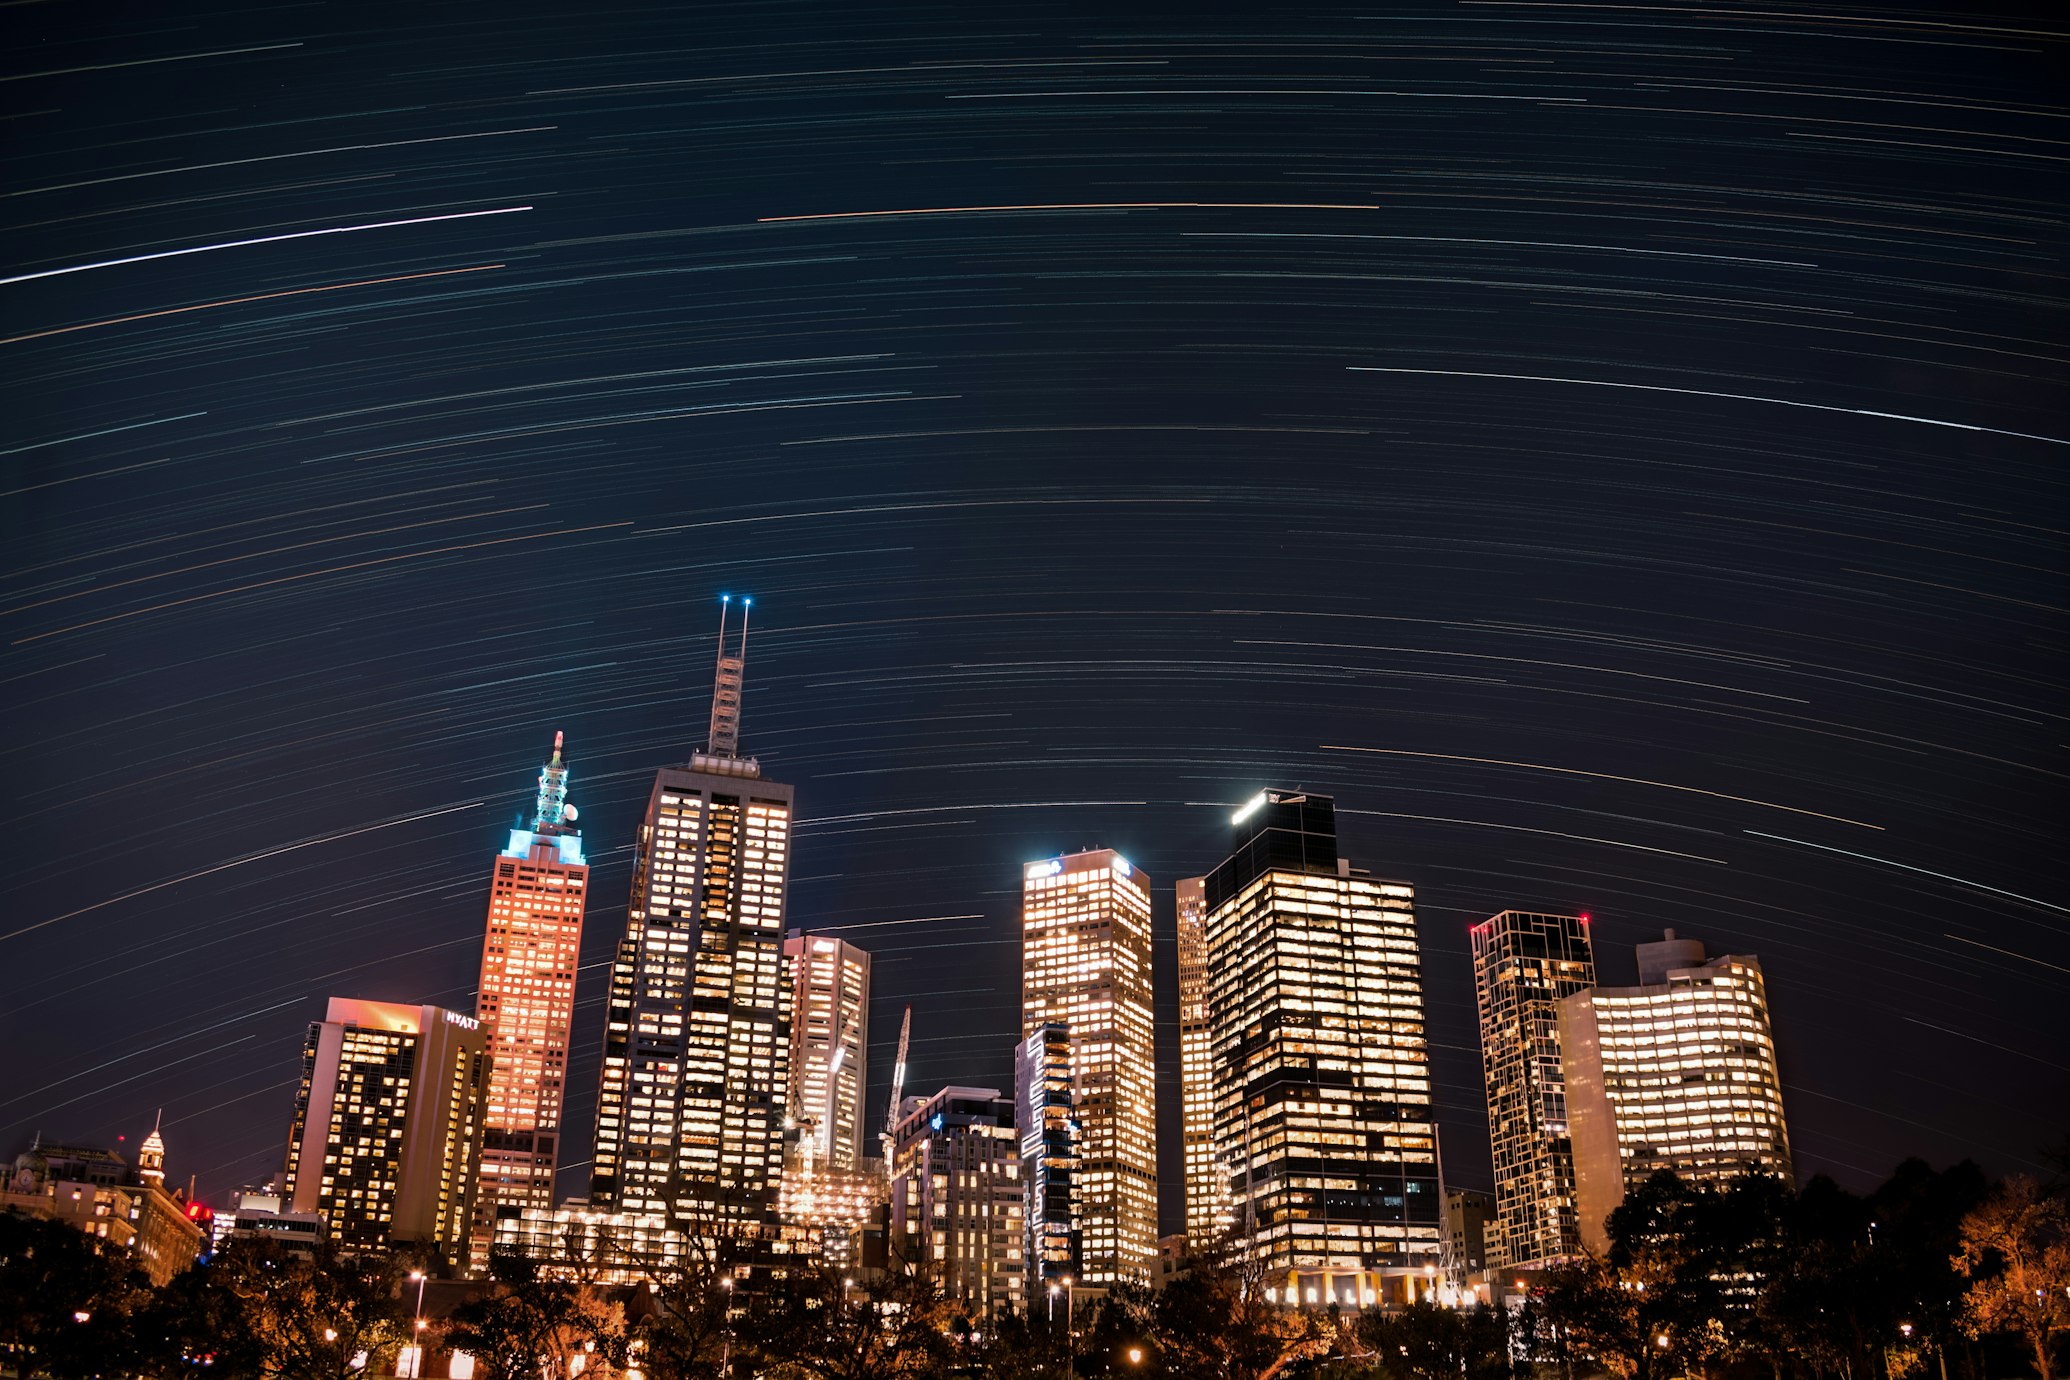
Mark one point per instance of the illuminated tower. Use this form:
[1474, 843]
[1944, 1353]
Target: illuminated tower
[527, 1002]
[1321, 1069]
[956, 1198]
[830, 1041]
[1677, 1073]
[691, 1104]
[1045, 1112]
[1523, 964]
[1207, 1187]
[1085, 961]
[388, 1123]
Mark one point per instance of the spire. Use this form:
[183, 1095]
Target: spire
[549, 812]
[724, 738]
[151, 1154]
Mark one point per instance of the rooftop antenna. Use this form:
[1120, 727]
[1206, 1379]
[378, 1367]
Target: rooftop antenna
[549, 811]
[724, 737]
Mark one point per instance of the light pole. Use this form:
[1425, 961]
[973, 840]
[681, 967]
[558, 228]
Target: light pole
[1070, 1329]
[726, 1307]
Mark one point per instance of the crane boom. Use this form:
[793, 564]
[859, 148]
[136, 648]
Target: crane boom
[898, 1085]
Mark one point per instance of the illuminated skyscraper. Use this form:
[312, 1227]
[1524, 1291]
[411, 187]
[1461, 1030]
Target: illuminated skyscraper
[1523, 964]
[830, 1041]
[1677, 1073]
[1207, 1186]
[1085, 961]
[388, 1124]
[691, 1101]
[527, 1002]
[1322, 1074]
[956, 1197]
[1045, 1114]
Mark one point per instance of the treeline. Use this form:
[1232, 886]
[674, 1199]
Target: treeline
[1932, 1275]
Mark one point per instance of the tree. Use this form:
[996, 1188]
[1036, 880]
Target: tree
[530, 1328]
[1214, 1322]
[69, 1296]
[313, 1316]
[2016, 1253]
[1427, 1342]
[821, 1325]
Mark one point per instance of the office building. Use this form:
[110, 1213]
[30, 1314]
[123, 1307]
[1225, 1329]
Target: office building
[1085, 961]
[1046, 1116]
[388, 1124]
[1523, 964]
[1207, 1185]
[956, 1198]
[1469, 1222]
[1321, 1068]
[829, 983]
[526, 1002]
[692, 1097]
[1677, 1073]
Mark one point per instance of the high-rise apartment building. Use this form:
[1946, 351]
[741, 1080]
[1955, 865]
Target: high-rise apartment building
[956, 1197]
[526, 1002]
[1046, 1114]
[1207, 1185]
[1085, 961]
[829, 982]
[1523, 964]
[1677, 1073]
[692, 1098]
[388, 1124]
[1321, 1068]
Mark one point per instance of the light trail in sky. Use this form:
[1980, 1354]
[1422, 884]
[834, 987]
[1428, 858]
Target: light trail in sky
[1600, 776]
[1522, 829]
[259, 239]
[1708, 393]
[237, 301]
[1922, 871]
[1090, 206]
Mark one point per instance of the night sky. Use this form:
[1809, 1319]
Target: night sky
[1617, 449]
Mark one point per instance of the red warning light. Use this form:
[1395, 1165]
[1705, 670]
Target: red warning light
[1584, 917]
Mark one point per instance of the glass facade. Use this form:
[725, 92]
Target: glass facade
[1085, 962]
[1321, 1071]
[1207, 1185]
[1523, 964]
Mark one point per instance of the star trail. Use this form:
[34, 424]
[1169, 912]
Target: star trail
[1616, 450]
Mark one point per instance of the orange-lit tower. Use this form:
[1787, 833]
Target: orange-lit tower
[527, 1002]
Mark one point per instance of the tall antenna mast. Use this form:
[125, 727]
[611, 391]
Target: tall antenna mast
[724, 738]
[550, 810]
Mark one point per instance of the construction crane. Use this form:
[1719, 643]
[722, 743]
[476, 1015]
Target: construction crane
[898, 1087]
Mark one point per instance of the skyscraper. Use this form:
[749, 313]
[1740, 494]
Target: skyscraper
[1046, 1117]
[1207, 1186]
[829, 982]
[956, 1197]
[1085, 961]
[1677, 1073]
[526, 1001]
[1322, 1075]
[388, 1124]
[696, 1053]
[1523, 964]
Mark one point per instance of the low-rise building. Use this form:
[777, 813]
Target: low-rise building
[956, 1198]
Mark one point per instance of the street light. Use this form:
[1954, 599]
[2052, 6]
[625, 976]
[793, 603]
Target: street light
[726, 1307]
[1135, 1356]
[418, 1276]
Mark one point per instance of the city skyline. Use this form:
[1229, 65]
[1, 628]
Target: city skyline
[1615, 458]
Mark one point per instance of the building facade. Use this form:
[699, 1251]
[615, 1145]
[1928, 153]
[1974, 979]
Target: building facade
[1321, 1067]
[98, 1192]
[956, 1199]
[388, 1124]
[1085, 962]
[1524, 963]
[692, 1096]
[1207, 1185]
[1677, 1073]
[829, 982]
[1046, 1114]
[526, 1002]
